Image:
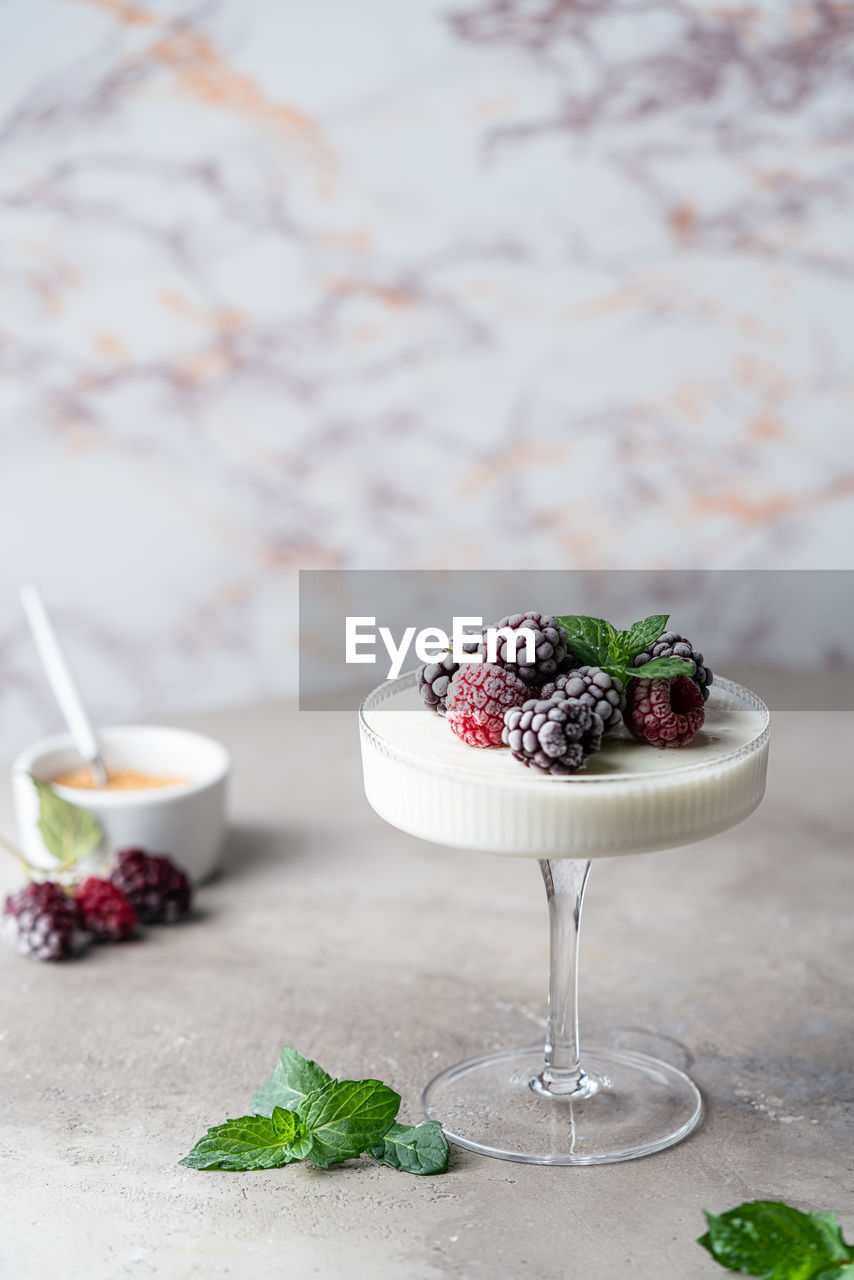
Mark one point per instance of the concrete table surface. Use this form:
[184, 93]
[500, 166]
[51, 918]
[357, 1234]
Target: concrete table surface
[380, 955]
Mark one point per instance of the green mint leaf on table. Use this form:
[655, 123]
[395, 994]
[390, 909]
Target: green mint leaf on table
[421, 1148]
[347, 1117]
[772, 1240]
[68, 831]
[294, 1078]
[301, 1112]
[251, 1142]
[641, 635]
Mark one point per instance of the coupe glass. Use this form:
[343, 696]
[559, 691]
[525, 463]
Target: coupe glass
[558, 1104]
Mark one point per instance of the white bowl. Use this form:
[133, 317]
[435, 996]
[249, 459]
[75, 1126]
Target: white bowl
[185, 820]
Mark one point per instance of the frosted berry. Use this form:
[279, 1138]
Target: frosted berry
[478, 696]
[665, 713]
[42, 921]
[550, 650]
[672, 645]
[593, 688]
[552, 735]
[434, 678]
[433, 681]
[107, 913]
[156, 888]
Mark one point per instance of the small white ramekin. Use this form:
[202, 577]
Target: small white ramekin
[184, 820]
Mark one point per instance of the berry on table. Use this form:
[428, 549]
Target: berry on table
[593, 688]
[672, 645]
[43, 921]
[552, 735]
[107, 913]
[664, 713]
[550, 648]
[157, 889]
[477, 698]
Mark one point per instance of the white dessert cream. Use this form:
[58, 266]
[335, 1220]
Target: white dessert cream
[631, 798]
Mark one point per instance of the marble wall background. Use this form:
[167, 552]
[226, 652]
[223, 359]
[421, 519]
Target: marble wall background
[363, 283]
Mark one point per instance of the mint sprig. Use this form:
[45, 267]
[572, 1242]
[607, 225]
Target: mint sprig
[302, 1112]
[68, 831]
[598, 644]
[770, 1239]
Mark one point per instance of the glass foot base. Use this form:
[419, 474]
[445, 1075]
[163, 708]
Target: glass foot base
[632, 1106]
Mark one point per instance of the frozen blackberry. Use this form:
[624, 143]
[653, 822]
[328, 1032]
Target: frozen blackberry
[478, 696]
[42, 921]
[593, 688]
[433, 681]
[672, 645]
[107, 913]
[434, 678]
[156, 888]
[664, 713]
[550, 648]
[552, 735]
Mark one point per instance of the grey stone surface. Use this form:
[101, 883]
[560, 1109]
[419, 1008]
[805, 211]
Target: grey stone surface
[378, 954]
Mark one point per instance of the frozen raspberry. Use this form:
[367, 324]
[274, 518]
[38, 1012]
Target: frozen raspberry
[552, 735]
[42, 921]
[593, 688]
[665, 713]
[550, 648]
[478, 696]
[107, 914]
[156, 888]
[672, 645]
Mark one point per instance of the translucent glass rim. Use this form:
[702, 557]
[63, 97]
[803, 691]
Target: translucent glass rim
[383, 692]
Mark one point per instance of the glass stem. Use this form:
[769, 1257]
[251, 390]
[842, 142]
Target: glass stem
[562, 1075]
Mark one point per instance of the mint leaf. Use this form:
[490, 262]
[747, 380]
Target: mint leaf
[294, 1078]
[641, 635]
[251, 1142]
[421, 1148]
[346, 1117]
[587, 638]
[772, 1240]
[662, 668]
[68, 831]
[656, 669]
[610, 637]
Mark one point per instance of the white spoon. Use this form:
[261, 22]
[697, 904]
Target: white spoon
[62, 683]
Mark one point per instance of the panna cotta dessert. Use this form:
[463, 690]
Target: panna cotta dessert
[631, 798]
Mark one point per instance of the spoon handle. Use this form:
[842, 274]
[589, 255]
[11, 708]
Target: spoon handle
[62, 682]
